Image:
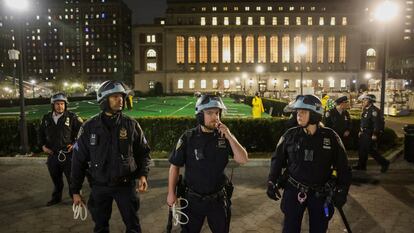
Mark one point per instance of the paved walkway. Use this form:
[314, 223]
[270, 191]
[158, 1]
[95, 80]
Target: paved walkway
[378, 203]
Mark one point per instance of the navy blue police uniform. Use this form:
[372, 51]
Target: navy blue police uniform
[205, 157]
[57, 137]
[113, 152]
[308, 162]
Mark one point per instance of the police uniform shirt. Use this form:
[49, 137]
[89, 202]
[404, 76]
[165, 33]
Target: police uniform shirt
[309, 158]
[371, 120]
[339, 122]
[205, 156]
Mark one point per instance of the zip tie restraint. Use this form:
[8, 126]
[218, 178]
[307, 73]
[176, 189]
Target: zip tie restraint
[78, 213]
[178, 213]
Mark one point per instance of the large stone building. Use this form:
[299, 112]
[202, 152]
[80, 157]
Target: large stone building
[255, 45]
[82, 40]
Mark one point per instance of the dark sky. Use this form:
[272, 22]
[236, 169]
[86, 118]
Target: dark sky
[144, 11]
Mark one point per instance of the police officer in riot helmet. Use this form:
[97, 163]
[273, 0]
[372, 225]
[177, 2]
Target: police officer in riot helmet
[204, 152]
[57, 133]
[338, 118]
[315, 170]
[113, 151]
[372, 125]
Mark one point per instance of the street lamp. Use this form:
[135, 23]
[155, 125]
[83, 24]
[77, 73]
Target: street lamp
[384, 13]
[368, 76]
[259, 70]
[244, 77]
[33, 82]
[14, 55]
[302, 51]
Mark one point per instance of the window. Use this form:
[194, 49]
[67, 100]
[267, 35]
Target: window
[151, 53]
[286, 83]
[250, 21]
[214, 21]
[296, 43]
[321, 21]
[203, 21]
[226, 84]
[310, 21]
[344, 21]
[180, 84]
[262, 20]
[191, 49]
[191, 84]
[214, 50]
[238, 21]
[215, 83]
[291, 8]
[308, 44]
[320, 82]
[298, 21]
[203, 9]
[286, 20]
[285, 49]
[273, 49]
[226, 21]
[203, 49]
[247, 8]
[236, 8]
[332, 21]
[313, 8]
[224, 8]
[274, 20]
[280, 8]
[261, 49]
[331, 49]
[214, 8]
[226, 49]
[343, 83]
[180, 49]
[371, 52]
[258, 8]
[151, 66]
[297, 83]
[238, 49]
[342, 49]
[331, 83]
[249, 49]
[319, 49]
[269, 8]
[148, 38]
[203, 84]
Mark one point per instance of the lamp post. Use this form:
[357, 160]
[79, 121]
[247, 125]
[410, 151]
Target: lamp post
[368, 76]
[384, 13]
[259, 70]
[302, 52]
[33, 82]
[244, 77]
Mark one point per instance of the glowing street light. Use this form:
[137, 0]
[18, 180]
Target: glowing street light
[17, 5]
[386, 11]
[302, 51]
[33, 82]
[259, 70]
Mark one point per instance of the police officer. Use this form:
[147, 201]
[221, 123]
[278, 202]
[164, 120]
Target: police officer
[309, 153]
[204, 152]
[338, 118]
[57, 134]
[113, 151]
[372, 125]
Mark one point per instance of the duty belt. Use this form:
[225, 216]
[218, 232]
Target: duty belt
[214, 196]
[304, 187]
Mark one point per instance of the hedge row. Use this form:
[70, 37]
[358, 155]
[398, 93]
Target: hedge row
[38, 101]
[257, 135]
[268, 104]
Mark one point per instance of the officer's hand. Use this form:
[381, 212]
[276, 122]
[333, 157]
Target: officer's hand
[374, 137]
[47, 150]
[69, 147]
[339, 199]
[142, 184]
[77, 199]
[272, 191]
[346, 134]
[171, 199]
[223, 130]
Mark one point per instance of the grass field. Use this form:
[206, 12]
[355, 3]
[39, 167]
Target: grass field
[151, 106]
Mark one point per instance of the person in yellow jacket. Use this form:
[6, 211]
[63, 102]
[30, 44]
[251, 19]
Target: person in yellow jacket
[257, 106]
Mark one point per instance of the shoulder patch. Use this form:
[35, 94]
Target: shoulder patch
[80, 132]
[374, 113]
[327, 114]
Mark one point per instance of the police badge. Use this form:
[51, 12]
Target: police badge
[67, 121]
[123, 133]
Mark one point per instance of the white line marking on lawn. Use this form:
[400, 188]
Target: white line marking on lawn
[179, 109]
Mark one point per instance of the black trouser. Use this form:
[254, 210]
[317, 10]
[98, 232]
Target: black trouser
[56, 171]
[215, 210]
[100, 206]
[369, 146]
[293, 210]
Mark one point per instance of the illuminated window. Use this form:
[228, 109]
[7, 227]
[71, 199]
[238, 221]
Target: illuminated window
[191, 84]
[296, 44]
[286, 20]
[262, 20]
[191, 49]
[203, 84]
[247, 8]
[203, 8]
[371, 52]
[291, 8]
[238, 49]
[215, 83]
[224, 8]
[332, 21]
[226, 84]
[297, 83]
[343, 83]
[319, 49]
[313, 8]
[273, 49]
[274, 20]
[214, 8]
[151, 53]
[214, 21]
[321, 21]
[308, 44]
[151, 66]
[310, 22]
[249, 49]
[280, 8]
[180, 49]
[298, 21]
[203, 21]
[261, 42]
[258, 8]
[214, 50]
[226, 21]
[180, 84]
[203, 49]
[269, 8]
[250, 21]
[344, 21]
[331, 83]
[342, 49]
[331, 49]
[238, 21]
[285, 49]
[320, 82]
[236, 8]
[226, 49]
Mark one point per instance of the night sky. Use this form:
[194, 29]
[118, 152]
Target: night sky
[144, 11]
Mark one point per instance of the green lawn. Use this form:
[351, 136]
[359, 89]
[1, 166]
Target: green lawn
[151, 106]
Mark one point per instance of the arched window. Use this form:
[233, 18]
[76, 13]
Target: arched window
[151, 53]
[371, 52]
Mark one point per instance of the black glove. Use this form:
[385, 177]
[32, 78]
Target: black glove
[273, 191]
[339, 198]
